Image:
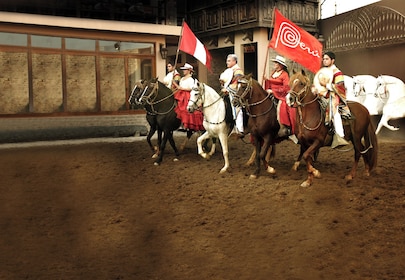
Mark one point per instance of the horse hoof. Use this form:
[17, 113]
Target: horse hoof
[204, 155]
[223, 170]
[348, 177]
[317, 174]
[271, 170]
[305, 184]
[295, 166]
[175, 159]
[253, 176]
[155, 156]
[156, 163]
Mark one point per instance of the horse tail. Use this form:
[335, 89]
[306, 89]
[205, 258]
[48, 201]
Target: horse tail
[371, 155]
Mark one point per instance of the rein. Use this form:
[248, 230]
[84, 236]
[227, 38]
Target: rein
[153, 101]
[300, 104]
[249, 89]
[201, 95]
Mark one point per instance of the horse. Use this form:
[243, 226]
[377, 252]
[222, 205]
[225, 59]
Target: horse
[150, 117]
[313, 133]
[262, 123]
[365, 85]
[394, 89]
[159, 103]
[352, 93]
[216, 122]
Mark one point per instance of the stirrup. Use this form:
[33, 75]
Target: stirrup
[338, 141]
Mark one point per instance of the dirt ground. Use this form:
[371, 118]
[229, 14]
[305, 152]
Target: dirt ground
[104, 211]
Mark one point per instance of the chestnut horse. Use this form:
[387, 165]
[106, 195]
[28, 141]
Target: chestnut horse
[313, 134]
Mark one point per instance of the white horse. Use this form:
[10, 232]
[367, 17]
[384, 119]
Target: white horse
[213, 107]
[393, 89]
[349, 85]
[365, 88]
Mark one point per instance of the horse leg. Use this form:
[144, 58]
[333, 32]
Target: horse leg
[253, 155]
[223, 138]
[308, 156]
[298, 161]
[200, 140]
[213, 146]
[358, 146]
[258, 147]
[173, 144]
[183, 145]
[384, 122]
[166, 135]
[264, 155]
[155, 149]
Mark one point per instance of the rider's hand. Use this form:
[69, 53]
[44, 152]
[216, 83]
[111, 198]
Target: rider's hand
[269, 91]
[224, 91]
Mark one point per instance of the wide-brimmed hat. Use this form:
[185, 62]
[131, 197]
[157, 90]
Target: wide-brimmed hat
[187, 66]
[280, 59]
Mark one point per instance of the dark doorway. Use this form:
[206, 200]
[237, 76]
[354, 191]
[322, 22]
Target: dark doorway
[250, 58]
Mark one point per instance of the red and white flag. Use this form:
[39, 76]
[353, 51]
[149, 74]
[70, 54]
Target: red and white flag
[296, 43]
[191, 45]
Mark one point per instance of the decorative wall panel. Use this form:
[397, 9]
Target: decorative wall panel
[112, 84]
[229, 16]
[14, 92]
[81, 83]
[248, 12]
[369, 27]
[47, 83]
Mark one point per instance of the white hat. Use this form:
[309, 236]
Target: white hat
[187, 67]
[280, 59]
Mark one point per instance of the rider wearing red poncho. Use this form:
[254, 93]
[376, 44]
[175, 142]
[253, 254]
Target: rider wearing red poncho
[277, 85]
[191, 121]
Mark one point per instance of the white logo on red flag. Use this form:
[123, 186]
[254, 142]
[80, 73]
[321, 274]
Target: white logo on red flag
[296, 43]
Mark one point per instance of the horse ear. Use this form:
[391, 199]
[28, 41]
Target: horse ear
[303, 72]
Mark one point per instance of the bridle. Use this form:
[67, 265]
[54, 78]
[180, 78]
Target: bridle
[385, 91]
[200, 89]
[149, 96]
[299, 100]
[243, 101]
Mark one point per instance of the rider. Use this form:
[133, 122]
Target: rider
[277, 85]
[191, 121]
[229, 81]
[335, 88]
[172, 79]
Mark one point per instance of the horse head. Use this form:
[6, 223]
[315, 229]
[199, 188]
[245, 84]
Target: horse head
[149, 92]
[299, 89]
[364, 85]
[196, 96]
[136, 92]
[244, 89]
[389, 87]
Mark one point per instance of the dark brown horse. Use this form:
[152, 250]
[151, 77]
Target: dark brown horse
[313, 134]
[159, 104]
[262, 124]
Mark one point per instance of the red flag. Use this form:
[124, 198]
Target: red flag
[296, 43]
[191, 45]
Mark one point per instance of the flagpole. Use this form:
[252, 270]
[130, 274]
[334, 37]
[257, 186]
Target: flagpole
[267, 52]
[177, 52]
[178, 44]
